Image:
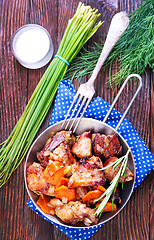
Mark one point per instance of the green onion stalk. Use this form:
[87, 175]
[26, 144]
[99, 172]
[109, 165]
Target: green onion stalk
[79, 30]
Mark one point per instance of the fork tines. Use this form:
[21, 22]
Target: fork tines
[84, 101]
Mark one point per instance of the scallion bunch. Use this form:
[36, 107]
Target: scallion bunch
[79, 29]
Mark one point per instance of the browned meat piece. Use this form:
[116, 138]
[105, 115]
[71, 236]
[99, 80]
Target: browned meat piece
[81, 191]
[91, 163]
[86, 173]
[65, 137]
[106, 146]
[110, 173]
[63, 154]
[83, 146]
[36, 180]
[74, 212]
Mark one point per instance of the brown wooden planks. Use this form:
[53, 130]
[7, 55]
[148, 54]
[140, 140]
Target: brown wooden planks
[17, 85]
[13, 102]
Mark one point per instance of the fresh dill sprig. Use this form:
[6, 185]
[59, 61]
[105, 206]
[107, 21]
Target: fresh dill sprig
[133, 52]
[114, 183]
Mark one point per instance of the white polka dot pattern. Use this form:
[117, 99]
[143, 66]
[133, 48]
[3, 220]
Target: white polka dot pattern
[144, 160]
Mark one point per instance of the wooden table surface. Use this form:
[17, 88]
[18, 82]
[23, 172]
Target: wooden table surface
[17, 221]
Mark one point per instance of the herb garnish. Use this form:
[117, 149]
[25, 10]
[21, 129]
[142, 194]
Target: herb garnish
[114, 183]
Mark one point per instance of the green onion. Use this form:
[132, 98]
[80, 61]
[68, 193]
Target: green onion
[114, 183]
[114, 164]
[80, 28]
[133, 52]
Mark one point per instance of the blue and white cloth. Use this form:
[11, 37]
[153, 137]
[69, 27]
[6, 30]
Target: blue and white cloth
[144, 160]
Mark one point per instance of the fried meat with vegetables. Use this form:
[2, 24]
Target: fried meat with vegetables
[71, 177]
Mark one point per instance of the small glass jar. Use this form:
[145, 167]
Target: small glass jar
[32, 46]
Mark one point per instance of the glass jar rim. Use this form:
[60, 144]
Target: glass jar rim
[24, 63]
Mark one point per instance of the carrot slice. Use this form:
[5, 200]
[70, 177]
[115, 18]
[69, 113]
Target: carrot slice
[65, 192]
[91, 195]
[43, 204]
[108, 207]
[54, 166]
[62, 181]
[101, 188]
[55, 177]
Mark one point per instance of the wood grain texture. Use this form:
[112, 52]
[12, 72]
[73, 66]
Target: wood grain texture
[17, 84]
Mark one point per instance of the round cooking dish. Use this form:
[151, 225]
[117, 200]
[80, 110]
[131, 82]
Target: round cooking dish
[95, 126]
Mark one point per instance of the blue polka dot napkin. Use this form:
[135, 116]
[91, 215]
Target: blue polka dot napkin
[144, 160]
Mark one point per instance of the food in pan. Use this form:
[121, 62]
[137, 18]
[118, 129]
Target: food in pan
[73, 174]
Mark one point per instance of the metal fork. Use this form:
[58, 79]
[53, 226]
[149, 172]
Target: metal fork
[86, 90]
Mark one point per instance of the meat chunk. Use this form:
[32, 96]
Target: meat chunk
[91, 163]
[110, 173]
[83, 146]
[106, 146]
[81, 191]
[63, 154]
[86, 173]
[36, 180]
[65, 137]
[74, 212]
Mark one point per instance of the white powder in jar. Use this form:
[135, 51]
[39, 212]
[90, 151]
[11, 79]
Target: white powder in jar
[32, 45]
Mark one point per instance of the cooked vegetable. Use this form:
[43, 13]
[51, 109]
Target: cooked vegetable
[133, 52]
[91, 195]
[43, 202]
[101, 188]
[64, 192]
[62, 181]
[80, 28]
[53, 167]
[108, 207]
[53, 176]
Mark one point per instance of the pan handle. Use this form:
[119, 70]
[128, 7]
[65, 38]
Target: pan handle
[116, 98]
